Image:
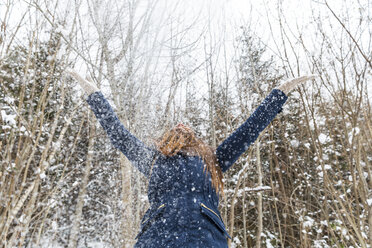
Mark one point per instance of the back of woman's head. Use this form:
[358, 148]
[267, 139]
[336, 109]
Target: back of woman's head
[177, 139]
[182, 139]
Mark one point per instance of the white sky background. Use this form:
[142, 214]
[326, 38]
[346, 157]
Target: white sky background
[218, 21]
[262, 17]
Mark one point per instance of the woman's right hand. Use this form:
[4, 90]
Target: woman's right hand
[289, 85]
[88, 87]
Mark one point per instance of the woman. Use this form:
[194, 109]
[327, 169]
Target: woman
[185, 175]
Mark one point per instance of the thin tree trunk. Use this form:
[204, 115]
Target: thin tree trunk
[234, 197]
[74, 234]
[210, 79]
[127, 220]
[259, 204]
[272, 169]
[244, 217]
[370, 225]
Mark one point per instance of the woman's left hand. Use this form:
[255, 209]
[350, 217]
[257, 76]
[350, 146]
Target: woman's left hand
[289, 85]
[88, 86]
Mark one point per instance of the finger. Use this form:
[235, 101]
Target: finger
[312, 77]
[302, 79]
[76, 76]
[89, 79]
[296, 80]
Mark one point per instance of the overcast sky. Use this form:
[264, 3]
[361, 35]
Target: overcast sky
[219, 19]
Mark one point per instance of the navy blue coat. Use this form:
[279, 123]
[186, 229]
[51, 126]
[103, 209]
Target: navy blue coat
[183, 204]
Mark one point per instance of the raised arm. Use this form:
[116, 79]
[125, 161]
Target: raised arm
[135, 150]
[239, 141]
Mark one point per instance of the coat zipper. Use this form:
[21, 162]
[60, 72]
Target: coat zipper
[202, 204]
[223, 228]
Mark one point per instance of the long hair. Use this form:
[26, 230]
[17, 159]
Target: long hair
[183, 139]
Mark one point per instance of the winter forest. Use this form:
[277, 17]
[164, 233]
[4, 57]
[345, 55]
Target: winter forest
[305, 182]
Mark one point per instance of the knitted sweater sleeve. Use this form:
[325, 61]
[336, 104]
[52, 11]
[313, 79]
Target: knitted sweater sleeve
[239, 141]
[135, 150]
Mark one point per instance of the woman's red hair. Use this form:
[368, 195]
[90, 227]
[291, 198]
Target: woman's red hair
[182, 139]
